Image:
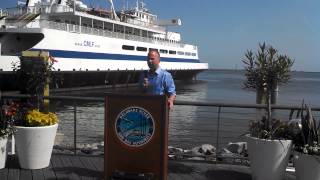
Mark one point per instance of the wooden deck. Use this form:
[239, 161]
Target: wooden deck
[61, 167]
[65, 167]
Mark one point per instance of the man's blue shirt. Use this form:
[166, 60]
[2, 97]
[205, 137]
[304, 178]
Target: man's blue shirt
[160, 82]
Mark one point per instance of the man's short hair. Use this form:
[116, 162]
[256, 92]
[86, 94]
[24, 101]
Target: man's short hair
[154, 50]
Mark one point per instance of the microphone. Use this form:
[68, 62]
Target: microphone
[145, 81]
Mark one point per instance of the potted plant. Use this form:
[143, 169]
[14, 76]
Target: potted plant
[268, 144]
[306, 145]
[268, 148]
[34, 140]
[36, 128]
[7, 113]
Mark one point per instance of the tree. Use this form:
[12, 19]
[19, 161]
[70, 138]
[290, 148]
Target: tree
[265, 71]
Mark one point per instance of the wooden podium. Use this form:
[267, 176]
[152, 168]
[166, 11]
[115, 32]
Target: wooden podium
[136, 137]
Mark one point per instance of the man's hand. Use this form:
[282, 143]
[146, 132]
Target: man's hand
[171, 100]
[170, 104]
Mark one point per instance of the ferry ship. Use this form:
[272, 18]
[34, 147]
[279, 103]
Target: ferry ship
[93, 46]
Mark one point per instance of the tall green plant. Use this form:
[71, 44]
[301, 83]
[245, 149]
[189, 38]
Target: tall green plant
[265, 71]
[33, 73]
[306, 138]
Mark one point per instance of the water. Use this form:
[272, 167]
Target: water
[190, 125]
[227, 87]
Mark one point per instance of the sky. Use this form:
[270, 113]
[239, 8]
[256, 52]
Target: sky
[224, 30]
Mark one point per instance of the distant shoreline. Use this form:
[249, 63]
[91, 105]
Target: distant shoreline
[213, 69]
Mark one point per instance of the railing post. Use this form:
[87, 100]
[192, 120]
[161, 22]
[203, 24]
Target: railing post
[218, 127]
[13, 145]
[75, 127]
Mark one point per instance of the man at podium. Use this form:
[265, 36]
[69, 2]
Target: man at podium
[157, 81]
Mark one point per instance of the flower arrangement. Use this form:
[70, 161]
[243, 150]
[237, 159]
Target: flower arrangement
[23, 114]
[36, 127]
[7, 115]
[279, 129]
[36, 118]
[34, 73]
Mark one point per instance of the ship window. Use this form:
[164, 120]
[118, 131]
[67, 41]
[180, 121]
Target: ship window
[194, 54]
[163, 51]
[188, 54]
[180, 53]
[153, 49]
[144, 33]
[172, 52]
[126, 47]
[142, 49]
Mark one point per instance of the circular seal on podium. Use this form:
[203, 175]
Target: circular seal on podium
[134, 126]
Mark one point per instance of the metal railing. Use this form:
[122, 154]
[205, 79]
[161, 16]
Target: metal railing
[107, 33]
[55, 8]
[96, 31]
[16, 12]
[192, 123]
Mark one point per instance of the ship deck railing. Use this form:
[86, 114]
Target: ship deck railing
[56, 8]
[144, 24]
[81, 29]
[216, 123]
[96, 31]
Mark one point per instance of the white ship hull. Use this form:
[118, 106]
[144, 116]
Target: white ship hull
[103, 53]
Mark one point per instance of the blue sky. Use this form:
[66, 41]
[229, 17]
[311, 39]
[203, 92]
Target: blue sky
[225, 29]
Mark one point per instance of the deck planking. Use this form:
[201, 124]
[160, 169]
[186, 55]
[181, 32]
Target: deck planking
[71, 167]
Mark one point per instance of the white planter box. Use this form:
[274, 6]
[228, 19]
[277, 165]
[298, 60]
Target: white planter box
[268, 158]
[307, 166]
[34, 145]
[3, 151]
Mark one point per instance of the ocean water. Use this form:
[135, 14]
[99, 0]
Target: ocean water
[227, 86]
[191, 126]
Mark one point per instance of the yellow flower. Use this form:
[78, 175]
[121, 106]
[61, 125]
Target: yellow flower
[36, 118]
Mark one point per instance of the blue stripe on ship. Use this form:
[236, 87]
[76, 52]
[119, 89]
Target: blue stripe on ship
[92, 55]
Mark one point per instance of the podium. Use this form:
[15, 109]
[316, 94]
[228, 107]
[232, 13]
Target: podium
[136, 137]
